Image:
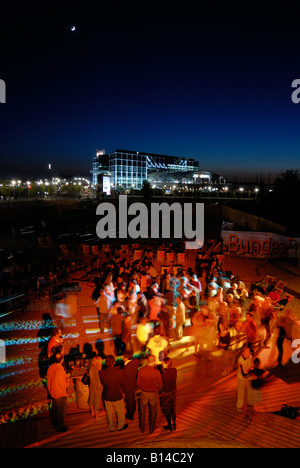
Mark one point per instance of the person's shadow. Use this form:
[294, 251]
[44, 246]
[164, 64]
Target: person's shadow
[289, 373]
[99, 345]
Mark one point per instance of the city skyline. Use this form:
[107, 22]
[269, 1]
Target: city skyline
[213, 85]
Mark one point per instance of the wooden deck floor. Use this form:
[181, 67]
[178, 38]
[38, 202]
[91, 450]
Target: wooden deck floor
[206, 418]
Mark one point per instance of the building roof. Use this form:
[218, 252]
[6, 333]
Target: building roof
[153, 154]
[167, 177]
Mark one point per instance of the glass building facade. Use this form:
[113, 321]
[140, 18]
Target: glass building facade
[129, 169]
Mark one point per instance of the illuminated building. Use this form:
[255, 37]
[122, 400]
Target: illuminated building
[129, 169]
[184, 179]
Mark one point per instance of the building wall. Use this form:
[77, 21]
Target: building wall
[251, 222]
[129, 169]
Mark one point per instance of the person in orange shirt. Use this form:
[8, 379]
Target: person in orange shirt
[55, 341]
[154, 306]
[57, 384]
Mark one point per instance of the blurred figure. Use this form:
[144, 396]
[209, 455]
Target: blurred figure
[104, 305]
[158, 346]
[142, 306]
[143, 331]
[64, 310]
[250, 329]
[95, 387]
[55, 341]
[224, 343]
[117, 329]
[126, 331]
[180, 317]
[267, 315]
[198, 322]
[204, 329]
[154, 306]
[255, 396]
[245, 365]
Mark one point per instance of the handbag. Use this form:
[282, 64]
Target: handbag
[289, 412]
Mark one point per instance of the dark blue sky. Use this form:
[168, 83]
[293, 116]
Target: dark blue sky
[163, 77]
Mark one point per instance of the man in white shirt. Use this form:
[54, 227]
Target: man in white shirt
[245, 364]
[104, 305]
[158, 346]
[143, 331]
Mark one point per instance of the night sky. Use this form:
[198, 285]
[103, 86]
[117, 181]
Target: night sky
[163, 77]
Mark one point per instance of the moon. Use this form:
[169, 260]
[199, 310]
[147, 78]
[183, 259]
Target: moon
[73, 28]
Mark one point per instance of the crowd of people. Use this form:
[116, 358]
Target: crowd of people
[226, 319]
[114, 388]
